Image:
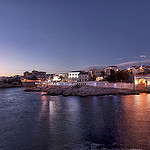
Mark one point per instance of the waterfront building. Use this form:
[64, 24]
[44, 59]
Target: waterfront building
[142, 82]
[103, 72]
[28, 75]
[83, 76]
[39, 74]
[97, 72]
[28, 83]
[56, 78]
[73, 76]
[34, 75]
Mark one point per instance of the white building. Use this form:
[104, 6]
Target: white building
[73, 76]
[56, 78]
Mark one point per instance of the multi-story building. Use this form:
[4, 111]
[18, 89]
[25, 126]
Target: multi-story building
[97, 72]
[108, 72]
[73, 76]
[28, 75]
[35, 75]
[39, 74]
[83, 76]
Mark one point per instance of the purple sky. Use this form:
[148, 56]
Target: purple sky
[63, 35]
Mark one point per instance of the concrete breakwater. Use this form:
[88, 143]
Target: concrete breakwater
[79, 90]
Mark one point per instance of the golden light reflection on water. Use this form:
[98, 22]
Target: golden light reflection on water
[43, 106]
[44, 98]
[135, 117]
[67, 114]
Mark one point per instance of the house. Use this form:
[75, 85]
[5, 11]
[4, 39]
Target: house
[73, 76]
[83, 76]
[97, 72]
[35, 75]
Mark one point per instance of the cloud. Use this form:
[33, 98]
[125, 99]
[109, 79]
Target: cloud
[121, 65]
[143, 56]
[120, 58]
[134, 63]
[92, 67]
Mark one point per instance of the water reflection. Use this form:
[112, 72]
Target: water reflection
[111, 121]
[36, 121]
[136, 121]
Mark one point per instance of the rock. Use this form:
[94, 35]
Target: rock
[82, 91]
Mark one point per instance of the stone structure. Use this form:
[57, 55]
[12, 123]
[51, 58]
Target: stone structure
[142, 83]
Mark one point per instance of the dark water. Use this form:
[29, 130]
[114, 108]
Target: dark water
[32, 121]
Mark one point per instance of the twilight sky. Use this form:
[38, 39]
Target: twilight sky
[63, 35]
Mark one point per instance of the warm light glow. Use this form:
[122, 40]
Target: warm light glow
[136, 82]
[142, 81]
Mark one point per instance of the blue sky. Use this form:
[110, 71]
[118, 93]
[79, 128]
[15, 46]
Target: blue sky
[63, 35]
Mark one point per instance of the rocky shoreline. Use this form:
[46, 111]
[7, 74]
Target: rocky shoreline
[82, 91]
[8, 86]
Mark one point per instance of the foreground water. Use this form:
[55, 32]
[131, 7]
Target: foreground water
[32, 121]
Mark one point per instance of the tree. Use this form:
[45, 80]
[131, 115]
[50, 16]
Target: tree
[61, 78]
[103, 74]
[93, 78]
[119, 76]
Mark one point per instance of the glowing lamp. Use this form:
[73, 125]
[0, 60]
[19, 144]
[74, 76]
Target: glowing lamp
[115, 85]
